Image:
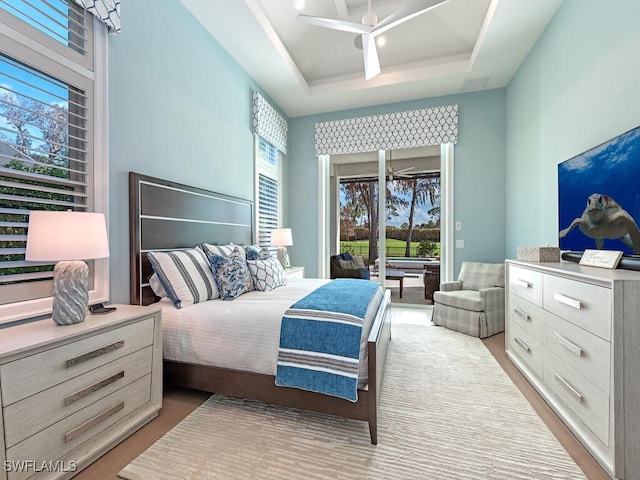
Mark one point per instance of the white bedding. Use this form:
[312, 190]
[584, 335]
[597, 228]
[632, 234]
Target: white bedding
[242, 334]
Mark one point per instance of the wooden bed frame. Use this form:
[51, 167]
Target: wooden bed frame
[165, 215]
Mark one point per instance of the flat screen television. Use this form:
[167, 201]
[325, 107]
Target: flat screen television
[599, 197]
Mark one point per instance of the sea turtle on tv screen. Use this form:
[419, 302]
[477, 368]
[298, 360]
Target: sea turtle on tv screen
[604, 219]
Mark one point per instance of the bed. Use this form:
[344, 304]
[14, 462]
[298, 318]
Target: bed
[165, 215]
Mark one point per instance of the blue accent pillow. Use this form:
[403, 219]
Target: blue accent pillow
[254, 252]
[231, 274]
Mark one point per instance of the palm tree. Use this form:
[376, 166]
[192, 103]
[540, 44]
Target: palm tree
[421, 191]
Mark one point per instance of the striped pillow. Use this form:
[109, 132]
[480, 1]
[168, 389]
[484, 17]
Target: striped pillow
[185, 275]
[222, 250]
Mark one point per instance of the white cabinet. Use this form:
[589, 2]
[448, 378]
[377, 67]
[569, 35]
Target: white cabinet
[70, 393]
[574, 332]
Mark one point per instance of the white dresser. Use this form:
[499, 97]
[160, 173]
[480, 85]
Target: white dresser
[70, 393]
[574, 332]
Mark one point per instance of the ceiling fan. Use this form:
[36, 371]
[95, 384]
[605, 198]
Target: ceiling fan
[391, 173]
[370, 28]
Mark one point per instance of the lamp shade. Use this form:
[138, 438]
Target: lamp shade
[281, 237]
[54, 236]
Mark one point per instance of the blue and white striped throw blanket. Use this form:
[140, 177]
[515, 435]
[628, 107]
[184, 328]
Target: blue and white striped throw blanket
[320, 338]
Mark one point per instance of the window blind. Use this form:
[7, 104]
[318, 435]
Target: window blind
[268, 167]
[63, 21]
[43, 159]
[46, 159]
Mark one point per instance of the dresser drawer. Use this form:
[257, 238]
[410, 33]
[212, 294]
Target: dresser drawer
[526, 284]
[527, 315]
[589, 403]
[32, 374]
[583, 304]
[526, 347]
[587, 353]
[34, 413]
[62, 437]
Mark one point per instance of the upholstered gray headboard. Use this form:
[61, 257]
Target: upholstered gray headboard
[165, 215]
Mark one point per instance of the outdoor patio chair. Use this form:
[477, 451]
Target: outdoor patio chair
[347, 266]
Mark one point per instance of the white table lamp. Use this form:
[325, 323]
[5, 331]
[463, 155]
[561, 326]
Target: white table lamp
[67, 238]
[282, 238]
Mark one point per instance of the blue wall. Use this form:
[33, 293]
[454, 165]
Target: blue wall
[479, 176]
[179, 109]
[579, 87]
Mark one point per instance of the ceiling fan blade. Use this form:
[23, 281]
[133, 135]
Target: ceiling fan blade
[371, 62]
[410, 10]
[402, 170]
[341, 25]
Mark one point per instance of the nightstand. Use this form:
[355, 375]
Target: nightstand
[70, 393]
[295, 272]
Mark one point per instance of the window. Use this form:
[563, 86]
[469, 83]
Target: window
[269, 173]
[49, 136]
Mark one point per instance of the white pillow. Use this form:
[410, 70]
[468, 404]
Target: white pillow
[185, 275]
[156, 286]
[267, 274]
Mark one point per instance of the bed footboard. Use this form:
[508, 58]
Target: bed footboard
[378, 343]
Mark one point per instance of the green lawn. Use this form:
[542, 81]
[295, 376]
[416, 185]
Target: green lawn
[394, 248]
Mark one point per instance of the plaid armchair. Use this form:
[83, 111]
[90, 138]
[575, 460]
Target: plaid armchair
[474, 304]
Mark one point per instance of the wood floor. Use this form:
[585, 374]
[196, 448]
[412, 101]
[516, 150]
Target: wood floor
[178, 403]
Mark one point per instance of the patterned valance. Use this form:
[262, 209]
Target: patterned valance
[107, 11]
[268, 123]
[414, 128]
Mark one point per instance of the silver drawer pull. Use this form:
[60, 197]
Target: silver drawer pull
[522, 314]
[92, 423]
[96, 353]
[69, 399]
[573, 303]
[521, 283]
[568, 387]
[572, 347]
[522, 344]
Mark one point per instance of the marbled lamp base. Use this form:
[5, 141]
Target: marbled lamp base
[70, 292]
[283, 256]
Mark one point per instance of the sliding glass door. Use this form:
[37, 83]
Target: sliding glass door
[387, 210]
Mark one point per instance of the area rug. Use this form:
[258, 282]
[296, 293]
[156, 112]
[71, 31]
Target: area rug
[448, 411]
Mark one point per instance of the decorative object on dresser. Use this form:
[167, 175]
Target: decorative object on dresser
[539, 254]
[473, 304]
[68, 238]
[573, 331]
[601, 258]
[68, 395]
[282, 238]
